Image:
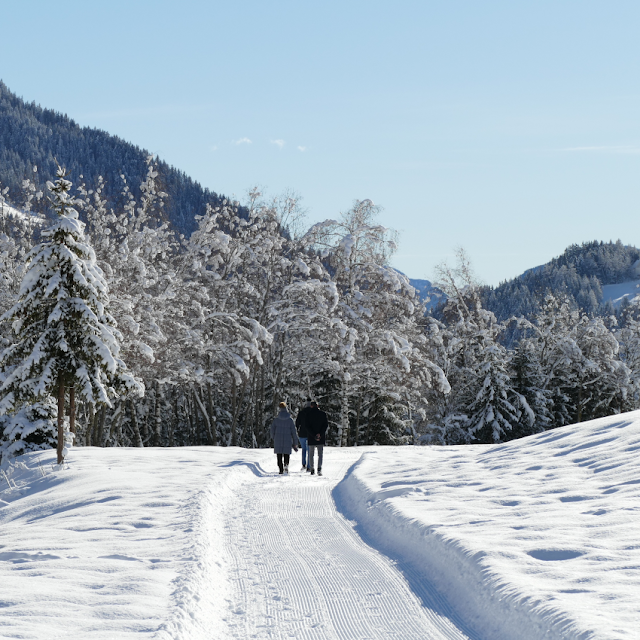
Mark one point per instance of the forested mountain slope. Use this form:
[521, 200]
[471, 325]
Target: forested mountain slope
[32, 136]
[579, 275]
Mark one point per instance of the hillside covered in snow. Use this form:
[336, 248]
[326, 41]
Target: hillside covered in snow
[594, 277]
[531, 539]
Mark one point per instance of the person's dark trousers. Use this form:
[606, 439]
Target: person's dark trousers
[312, 452]
[303, 446]
[286, 461]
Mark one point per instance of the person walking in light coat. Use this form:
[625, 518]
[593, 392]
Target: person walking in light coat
[285, 436]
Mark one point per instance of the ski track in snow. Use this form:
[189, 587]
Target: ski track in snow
[299, 570]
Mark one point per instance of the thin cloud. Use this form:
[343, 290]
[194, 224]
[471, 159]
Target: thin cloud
[279, 143]
[303, 149]
[214, 147]
[242, 141]
[619, 149]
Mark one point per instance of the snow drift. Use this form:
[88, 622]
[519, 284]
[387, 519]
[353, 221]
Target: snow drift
[538, 535]
[532, 539]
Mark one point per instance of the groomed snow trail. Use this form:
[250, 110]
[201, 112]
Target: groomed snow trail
[299, 570]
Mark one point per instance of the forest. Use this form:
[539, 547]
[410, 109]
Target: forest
[218, 310]
[578, 275]
[201, 336]
[34, 139]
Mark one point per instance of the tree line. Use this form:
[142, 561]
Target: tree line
[33, 136]
[251, 308]
[578, 276]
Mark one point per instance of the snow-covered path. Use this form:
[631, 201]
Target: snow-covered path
[533, 539]
[298, 569]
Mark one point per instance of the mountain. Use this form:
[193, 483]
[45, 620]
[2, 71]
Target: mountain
[599, 278]
[32, 136]
[428, 292]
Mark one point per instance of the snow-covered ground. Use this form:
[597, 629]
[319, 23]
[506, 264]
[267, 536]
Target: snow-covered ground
[537, 538]
[8, 211]
[616, 292]
[539, 535]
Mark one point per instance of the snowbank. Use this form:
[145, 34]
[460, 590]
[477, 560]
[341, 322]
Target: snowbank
[120, 543]
[538, 535]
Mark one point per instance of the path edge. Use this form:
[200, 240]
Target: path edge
[484, 601]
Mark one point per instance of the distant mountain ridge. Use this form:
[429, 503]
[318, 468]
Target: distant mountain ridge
[579, 274]
[599, 278]
[427, 291]
[33, 136]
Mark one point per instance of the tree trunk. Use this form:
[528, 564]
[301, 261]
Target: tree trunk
[72, 409]
[192, 424]
[357, 434]
[175, 421]
[276, 399]
[249, 409]
[214, 428]
[238, 402]
[231, 440]
[60, 421]
[134, 424]
[101, 421]
[579, 404]
[260, 405]
[115, 425]
[93, 424]
[205, 415]
[143, 424]
[343, 430]
[157, 417]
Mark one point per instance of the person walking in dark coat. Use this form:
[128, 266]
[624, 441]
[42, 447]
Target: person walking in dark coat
[317, 424]
[302, 432]
[283, 432]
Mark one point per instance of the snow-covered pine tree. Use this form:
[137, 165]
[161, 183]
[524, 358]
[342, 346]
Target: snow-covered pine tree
[603, 383]
[65, 338]
[628, 336]
[528, 380]
[552, 347]
[496, 408]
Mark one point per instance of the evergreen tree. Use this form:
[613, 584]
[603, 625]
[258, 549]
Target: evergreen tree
[65, 338]
[496, 408]
[528, 381]
[603, 383]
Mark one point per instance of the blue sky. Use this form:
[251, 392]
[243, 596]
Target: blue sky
[510, 128]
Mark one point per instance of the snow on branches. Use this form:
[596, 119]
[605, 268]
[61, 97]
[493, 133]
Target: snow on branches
[251, 309]
[64, 336]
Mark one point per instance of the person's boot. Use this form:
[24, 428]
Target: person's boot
[313, 471]
[281, 472]
[319, 471]
[286, 469]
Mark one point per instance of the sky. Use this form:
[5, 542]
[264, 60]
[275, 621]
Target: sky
[507, 128]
